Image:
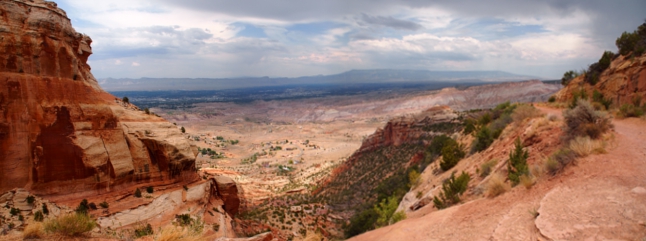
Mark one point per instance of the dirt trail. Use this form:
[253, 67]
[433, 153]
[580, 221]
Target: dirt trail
[602, 197]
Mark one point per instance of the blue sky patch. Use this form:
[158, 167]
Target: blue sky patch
[250, 31]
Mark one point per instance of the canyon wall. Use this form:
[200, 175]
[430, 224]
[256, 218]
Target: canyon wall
[60, 133]
[622, 82]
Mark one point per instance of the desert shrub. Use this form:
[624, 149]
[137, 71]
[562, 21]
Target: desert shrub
[45, 209]
[398, 216]
[70, 224]
[517, 164]
[34, 230]
[469, 126]
[523, 112]
[595, 69]
[385, 210]
[143, 230]
[31, 199]
[496, 186]
[484, 138]
[137, 193]
[559, 160]
[634, 42]
[452, 188]
[38, 216]
[583, 120]
[568, 76]
[485, 168]
[104, 204]
[485, 119]
[150, 189]
[599, 98]
[216, 227]
[527, 181]
[83, 207]
[452, 153]
[552, 99]
[14, 211]
[438, 143]
[552, 166]
[413, 178]
[126, 100]
[183, 129]
[630, 110]
[92, 206]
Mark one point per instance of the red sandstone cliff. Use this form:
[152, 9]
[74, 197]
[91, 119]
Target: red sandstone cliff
[60, 133]
[624, 80]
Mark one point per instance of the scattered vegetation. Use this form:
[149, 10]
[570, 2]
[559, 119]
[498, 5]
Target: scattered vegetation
[569, 76]
[74, 224]
[137, 193]
[524, 111]
[517, 165]
[143, 230]
[386, 212]
[595, 69]
[452, 188]
[491, 125]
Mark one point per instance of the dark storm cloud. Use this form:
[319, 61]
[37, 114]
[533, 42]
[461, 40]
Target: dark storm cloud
[390, 22]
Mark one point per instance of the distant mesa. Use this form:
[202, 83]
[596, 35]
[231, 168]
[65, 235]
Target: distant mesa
[371, 76]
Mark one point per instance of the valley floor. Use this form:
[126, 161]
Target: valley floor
[601, 197]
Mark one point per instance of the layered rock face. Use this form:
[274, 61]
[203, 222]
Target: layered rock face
[622, 82]
[60, 133]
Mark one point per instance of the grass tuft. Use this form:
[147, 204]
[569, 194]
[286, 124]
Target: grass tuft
[496, 186]
[71, 225]
[34, 230]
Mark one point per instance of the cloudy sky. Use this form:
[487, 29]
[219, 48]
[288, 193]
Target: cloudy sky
[224, 38]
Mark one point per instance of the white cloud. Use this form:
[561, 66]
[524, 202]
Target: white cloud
[135, 64]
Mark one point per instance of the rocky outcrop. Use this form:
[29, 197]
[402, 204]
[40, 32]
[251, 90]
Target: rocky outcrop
[227, 190]
[59, 132]
[622, 82]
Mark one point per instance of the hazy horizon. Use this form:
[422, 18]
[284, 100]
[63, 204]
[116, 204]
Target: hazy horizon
[223, 39]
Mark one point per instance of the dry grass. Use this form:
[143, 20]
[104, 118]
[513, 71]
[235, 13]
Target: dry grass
[584, 146]
[496, 185]
[527, 181]
[552, 117]
[525, 111]
[537, 170]
[70, 224]
[486, 167]
[173, 233]
[34, 230]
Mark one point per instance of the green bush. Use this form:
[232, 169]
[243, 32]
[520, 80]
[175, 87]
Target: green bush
[137, 193]
[452, 188]
[385, 210]
[559, 160]
[452, 153]
[150, 189]
[484, 138]
[569, 76]
[73, 224]
[14, 211]
[83, 207]
[517, 164]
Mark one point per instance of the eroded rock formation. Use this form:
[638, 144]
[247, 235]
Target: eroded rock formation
[60, 133]
[623, 82]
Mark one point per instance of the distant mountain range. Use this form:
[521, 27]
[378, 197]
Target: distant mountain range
[376, 76]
